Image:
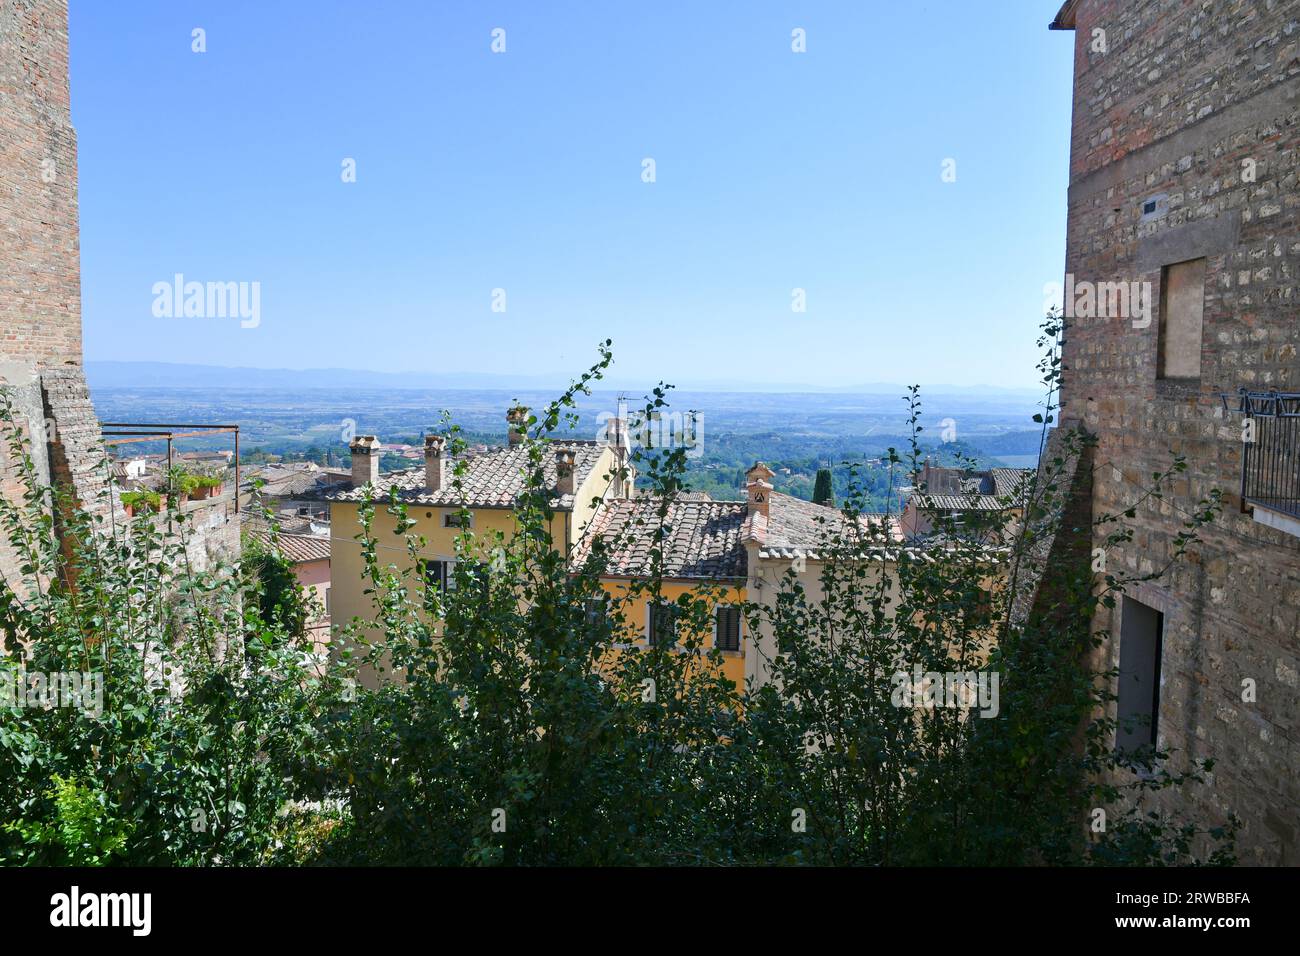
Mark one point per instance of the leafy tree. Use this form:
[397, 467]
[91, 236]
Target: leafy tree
[274, 586]
[510, 719]
[191, 748]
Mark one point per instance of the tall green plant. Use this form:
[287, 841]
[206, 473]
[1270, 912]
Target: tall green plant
[191, 748]
[511, 718]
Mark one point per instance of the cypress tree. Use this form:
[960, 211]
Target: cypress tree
[822, 492]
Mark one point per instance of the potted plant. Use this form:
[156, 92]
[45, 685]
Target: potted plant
[206, 486]
[142, 502]
[181, 483]
[190, 485]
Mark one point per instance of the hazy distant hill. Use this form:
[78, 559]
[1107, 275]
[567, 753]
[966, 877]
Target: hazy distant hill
[175, 375]
[136, 375]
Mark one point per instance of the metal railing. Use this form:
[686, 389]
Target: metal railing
[1270, 464]
[126, 433]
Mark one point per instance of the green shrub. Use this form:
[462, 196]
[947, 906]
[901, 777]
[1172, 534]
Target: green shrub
[520, 728]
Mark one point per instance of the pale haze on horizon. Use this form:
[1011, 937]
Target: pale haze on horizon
[524, 171]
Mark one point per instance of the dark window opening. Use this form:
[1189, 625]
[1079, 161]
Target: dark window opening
[595, 611]
[437, 579]
[1141, 637]
[663, 625]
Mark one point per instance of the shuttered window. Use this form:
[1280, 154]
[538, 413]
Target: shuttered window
[728, 628]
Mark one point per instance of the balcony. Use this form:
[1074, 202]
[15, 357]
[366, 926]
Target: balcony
[1270, 464]
[130, 433]
[212, 520]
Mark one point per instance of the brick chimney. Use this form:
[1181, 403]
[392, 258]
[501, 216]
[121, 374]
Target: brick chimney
[365, 460]
[517, 420]
[436, 470]
[564, 472]
[758, 490]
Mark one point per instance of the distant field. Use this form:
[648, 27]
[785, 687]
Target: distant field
[795, 432]
[1019, 461]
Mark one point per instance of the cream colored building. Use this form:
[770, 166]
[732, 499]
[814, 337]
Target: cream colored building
[580, 475]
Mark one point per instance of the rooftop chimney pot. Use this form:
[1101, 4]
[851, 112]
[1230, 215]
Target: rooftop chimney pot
[365, 460]
[435, 463]
[517, 420]
[758, 490]
[564, 471]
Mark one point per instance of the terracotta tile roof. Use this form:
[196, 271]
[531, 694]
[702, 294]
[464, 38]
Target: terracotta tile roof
[292, 523]
[706, 539]
[493, 479]
[795, 527]
[694, 496]
[952, 489]
[997, 490]
[291, 485]
[795, 523]
[1008, 481]
[702, 538]
[970, 502]
[298, 548]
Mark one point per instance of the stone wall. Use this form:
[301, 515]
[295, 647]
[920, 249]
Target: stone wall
[40, 284]
[1186, 144]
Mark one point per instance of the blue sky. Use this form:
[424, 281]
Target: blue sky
[522, 171]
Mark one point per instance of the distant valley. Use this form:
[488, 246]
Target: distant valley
[795, 432]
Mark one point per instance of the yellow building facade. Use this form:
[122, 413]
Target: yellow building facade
[721, 551]
[581, 475]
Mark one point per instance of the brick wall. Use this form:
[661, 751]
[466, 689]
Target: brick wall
[1183, 94]
[40, 284]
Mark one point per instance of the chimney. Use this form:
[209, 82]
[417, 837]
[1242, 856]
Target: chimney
[365, 460]
[435, 464]
[616, 439]
[564, 477]
[616, 435]
[758, 490]
[517, 420]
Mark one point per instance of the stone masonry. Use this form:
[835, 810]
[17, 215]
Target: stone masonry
[1185, 145]
[40, 282]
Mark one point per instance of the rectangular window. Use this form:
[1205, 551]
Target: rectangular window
[596, 611]
[727, 634]
[1141, 637]
[1182, 313]
[437, 575]
[663, 625]
[456, 519]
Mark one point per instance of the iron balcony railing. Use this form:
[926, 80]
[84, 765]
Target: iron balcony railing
[127, 433]
[1270, 464]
